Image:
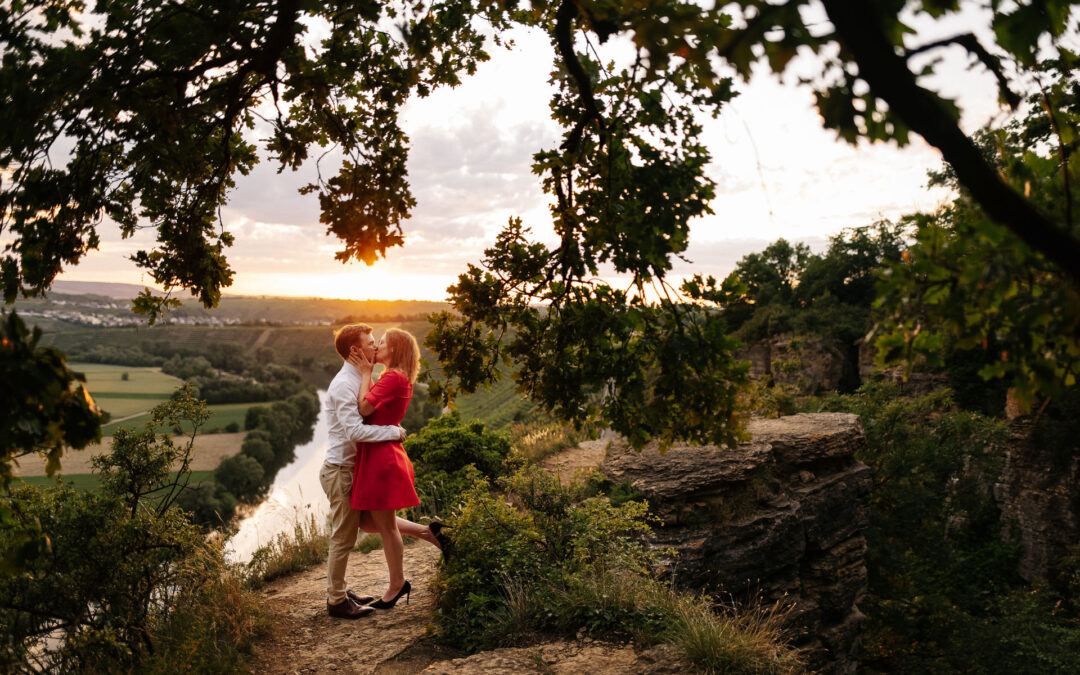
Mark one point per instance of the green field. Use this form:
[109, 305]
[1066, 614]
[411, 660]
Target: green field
[144, 388]
[89, 482]
[221, 416]
[497, 408]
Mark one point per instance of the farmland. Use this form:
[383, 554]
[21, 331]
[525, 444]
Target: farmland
[142, 389]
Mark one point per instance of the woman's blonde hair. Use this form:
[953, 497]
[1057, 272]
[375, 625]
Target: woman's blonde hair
[402, 352]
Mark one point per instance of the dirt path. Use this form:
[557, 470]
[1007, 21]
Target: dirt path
[261, 340]
[307, 640]
[586, 455]
[393, 642]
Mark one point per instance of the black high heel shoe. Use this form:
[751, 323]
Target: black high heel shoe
[436, 529]
[406, 589]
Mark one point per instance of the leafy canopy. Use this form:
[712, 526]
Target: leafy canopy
[160, 103]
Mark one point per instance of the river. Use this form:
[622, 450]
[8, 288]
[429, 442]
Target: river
[294, 496]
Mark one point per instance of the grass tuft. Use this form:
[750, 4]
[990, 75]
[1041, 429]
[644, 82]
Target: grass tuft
[308, 545]
[537, 439]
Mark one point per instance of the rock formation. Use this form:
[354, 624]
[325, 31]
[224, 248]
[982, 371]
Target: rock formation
[1038, 491]
[780, 516]
[811, 365]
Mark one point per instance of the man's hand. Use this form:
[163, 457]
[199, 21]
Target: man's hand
[403, 433]
[358, 361]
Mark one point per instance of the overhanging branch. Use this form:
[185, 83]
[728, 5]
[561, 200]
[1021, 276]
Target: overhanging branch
[859, 29]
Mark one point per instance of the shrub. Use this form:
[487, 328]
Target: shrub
[943, 592]
[449, 456]
[255, 416]
[232, 427]
[448, 444]
[129, 585]
[554, 559]
[208, 504]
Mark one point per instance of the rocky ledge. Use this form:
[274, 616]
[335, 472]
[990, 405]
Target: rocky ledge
[781, 516]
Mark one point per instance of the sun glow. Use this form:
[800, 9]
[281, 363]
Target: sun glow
[354, 283]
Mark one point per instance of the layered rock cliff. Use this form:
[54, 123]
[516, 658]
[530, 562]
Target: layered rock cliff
[1039, 493]
[782, 515]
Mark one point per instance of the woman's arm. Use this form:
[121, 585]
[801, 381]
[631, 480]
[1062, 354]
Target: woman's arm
[365, 405]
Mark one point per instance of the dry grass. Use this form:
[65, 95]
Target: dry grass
[536, 439]
[308, 545]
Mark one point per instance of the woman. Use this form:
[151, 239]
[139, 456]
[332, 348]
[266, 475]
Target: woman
[383, 480]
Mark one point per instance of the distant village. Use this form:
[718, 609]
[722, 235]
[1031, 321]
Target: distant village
[87, 316]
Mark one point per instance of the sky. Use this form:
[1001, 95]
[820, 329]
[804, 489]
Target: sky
[778, 173]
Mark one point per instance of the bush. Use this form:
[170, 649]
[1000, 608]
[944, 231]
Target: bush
[447, 444]
[208, 504]
[232, 427]
[129, 585]
[254, 417]
[554, 559]
[449, 456]
[943, 592]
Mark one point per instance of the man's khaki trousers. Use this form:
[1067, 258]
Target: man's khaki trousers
[336, 482]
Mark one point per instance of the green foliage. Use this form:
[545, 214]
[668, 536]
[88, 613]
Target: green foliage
[447, 444]
[943, 591]
[242, 476]
[420, 411]
[188, 367]
[258, 449]
[450, 456]
[125, 565]
[968, 284]
[547, 558]
[626, 180]
[208, 504]
[48, 411]
[162, 121]
[550, 538]
[791, 290]
[45, 414]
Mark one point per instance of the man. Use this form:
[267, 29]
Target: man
[346, 429]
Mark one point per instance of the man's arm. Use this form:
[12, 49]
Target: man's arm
[355, 429]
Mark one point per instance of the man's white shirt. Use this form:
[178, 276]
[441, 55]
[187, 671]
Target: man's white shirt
[346, 425]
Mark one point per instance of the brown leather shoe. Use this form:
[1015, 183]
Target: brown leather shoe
[347, 609]
[359, 599]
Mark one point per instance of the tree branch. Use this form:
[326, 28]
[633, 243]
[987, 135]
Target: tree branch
[969, 42]
[858, 27]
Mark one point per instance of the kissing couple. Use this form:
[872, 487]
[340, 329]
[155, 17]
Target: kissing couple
[366, 474]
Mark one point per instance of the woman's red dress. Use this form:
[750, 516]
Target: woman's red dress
[383, 478]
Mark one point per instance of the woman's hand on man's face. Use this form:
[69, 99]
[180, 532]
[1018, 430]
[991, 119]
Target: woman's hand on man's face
[360, 362]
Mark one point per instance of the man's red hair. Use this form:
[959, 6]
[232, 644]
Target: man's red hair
[347, 337]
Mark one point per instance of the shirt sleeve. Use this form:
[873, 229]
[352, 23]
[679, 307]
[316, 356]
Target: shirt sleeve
[348, 415]
[386, 389]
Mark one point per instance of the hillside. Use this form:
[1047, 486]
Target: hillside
[73, 304]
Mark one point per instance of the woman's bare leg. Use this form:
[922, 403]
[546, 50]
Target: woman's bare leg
[408, 527]
[386, 521]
